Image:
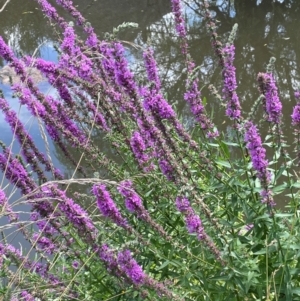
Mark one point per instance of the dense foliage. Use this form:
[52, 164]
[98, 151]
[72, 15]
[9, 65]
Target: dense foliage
[180, 214]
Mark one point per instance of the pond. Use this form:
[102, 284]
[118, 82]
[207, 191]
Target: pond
[265, 29]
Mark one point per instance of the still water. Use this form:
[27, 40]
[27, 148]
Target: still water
[266, 29]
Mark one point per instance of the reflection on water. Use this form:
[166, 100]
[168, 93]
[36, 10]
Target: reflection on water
[265, 29]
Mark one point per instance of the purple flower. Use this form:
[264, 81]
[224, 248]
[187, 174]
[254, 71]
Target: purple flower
[3, 198]
[44, 243]
[193, 221]
[272, 105]
[180, 23]
[74, 213]
[167, 169]
[107, 255]
[16, 173]
[194, 225]
[25, 296]
[68, 43]
[155, 103]
[130, 267]
[107, 206]
[257, 152]
[259, 161]
[123, 76]
[183, 204]
[75, 264]
[138, 147]
[132, 200]
[229, 80]
[92, 40]
[151, 68]
[68, 5]
[296, 111]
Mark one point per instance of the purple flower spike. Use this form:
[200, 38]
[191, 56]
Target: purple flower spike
[183, 204]
[68, 43]
[180, 23]
[272, 105]
[151, 68]
[297, 95]
[132, 200]
[192, 220]
[138, 147]
[3, 198]
[167, 169]
[233, 110]
[259, 161]
[25, 296]
[107, 206]
[296, 111]
[194, 225]
[75, 264]
[131, 268]
[155, 103]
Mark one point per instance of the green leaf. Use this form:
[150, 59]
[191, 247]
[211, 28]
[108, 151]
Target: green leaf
[296, 184]
[284, 214]
[223, 163]
[278, 189]
[148, 193]
[163, 265]
[230, 143]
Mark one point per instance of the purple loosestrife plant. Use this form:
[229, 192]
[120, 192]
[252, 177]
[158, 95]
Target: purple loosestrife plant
[27, 296]
[39, 268]
[139, 149]
[296, 123]
[194, 225]
[233, 109]
[193, 97]
[28, 147]
[272, 103]
[130, 267]
[6, 208]
[77, 216]
[259, 161]
[16, 173]
[151, 68]
[133, 203]
[107, 206]
[123, 264]
[180, 25]
[156, 104]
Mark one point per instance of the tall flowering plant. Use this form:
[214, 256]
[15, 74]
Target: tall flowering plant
[178, 215]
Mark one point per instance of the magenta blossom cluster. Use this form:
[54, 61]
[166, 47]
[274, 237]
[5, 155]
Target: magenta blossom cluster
[139, 148]
[130, 267]
[180, 24]
[122, 264]
[76, 215]
[194, 225]
[107, 206]
[151, 68]
[272, 103]
[296, 111]
[133, 201]
[193, 98]
[193, 221]
[233, 109]
[259, 161]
